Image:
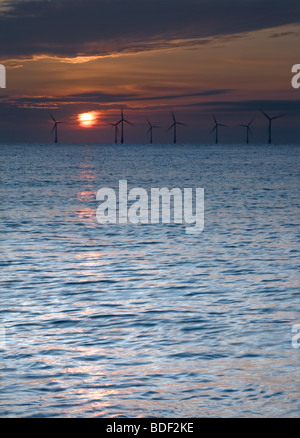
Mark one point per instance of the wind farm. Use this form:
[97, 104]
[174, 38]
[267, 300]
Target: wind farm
[119, 127]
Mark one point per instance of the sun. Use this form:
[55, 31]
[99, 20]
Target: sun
[86, 119]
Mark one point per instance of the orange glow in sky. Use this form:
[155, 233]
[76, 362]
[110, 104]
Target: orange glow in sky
[86, 119]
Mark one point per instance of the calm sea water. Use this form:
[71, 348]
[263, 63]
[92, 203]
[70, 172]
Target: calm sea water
[145, 320]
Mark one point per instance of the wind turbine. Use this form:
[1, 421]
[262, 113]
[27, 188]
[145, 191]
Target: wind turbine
[122, 125]
[216, 128]
[174, 124]
[248, 130]
[151, 129]
[56, 122]
[116, 131]
[270, 124]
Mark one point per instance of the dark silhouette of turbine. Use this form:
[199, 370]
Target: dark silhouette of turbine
[122, 121]
[174, 125]
[150, 130]
[248, 130]
[216, 128]
[56, 123]
[270, 124]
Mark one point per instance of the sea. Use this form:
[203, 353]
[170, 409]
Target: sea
[144, 320]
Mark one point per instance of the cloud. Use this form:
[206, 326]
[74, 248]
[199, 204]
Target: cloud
[284, 34]
[76, 28]
[99, 98]
[278, 105]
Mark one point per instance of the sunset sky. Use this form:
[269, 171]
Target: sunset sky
[194, 57]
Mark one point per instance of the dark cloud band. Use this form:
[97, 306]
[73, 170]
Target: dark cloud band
[70, 28]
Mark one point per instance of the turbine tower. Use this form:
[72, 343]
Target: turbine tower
[56, 122]
[122, 121]
[270, 124]
[151, 129]
[174, 124]
[248, 129]
[216, 128]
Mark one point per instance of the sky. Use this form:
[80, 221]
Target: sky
[197, 58]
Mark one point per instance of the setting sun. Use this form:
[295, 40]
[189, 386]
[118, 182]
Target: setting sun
[86, 119]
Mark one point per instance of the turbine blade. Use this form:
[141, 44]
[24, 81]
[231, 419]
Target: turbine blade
[52, 117]
[276, 117]
[214, 128]
[171, 126]
[215, 119]
[266, 115]
[173, 116]
[129, 123]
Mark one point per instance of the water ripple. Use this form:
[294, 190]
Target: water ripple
[130, 321]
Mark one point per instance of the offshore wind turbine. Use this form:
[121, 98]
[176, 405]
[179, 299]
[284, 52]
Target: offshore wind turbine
[116, 131]
[174, 124]
[122, 121]
[248, 129]
[270, 124]
[151, 129]
[56, 123]
[216, 128]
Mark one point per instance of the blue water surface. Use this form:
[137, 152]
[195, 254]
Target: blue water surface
[123, 320]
